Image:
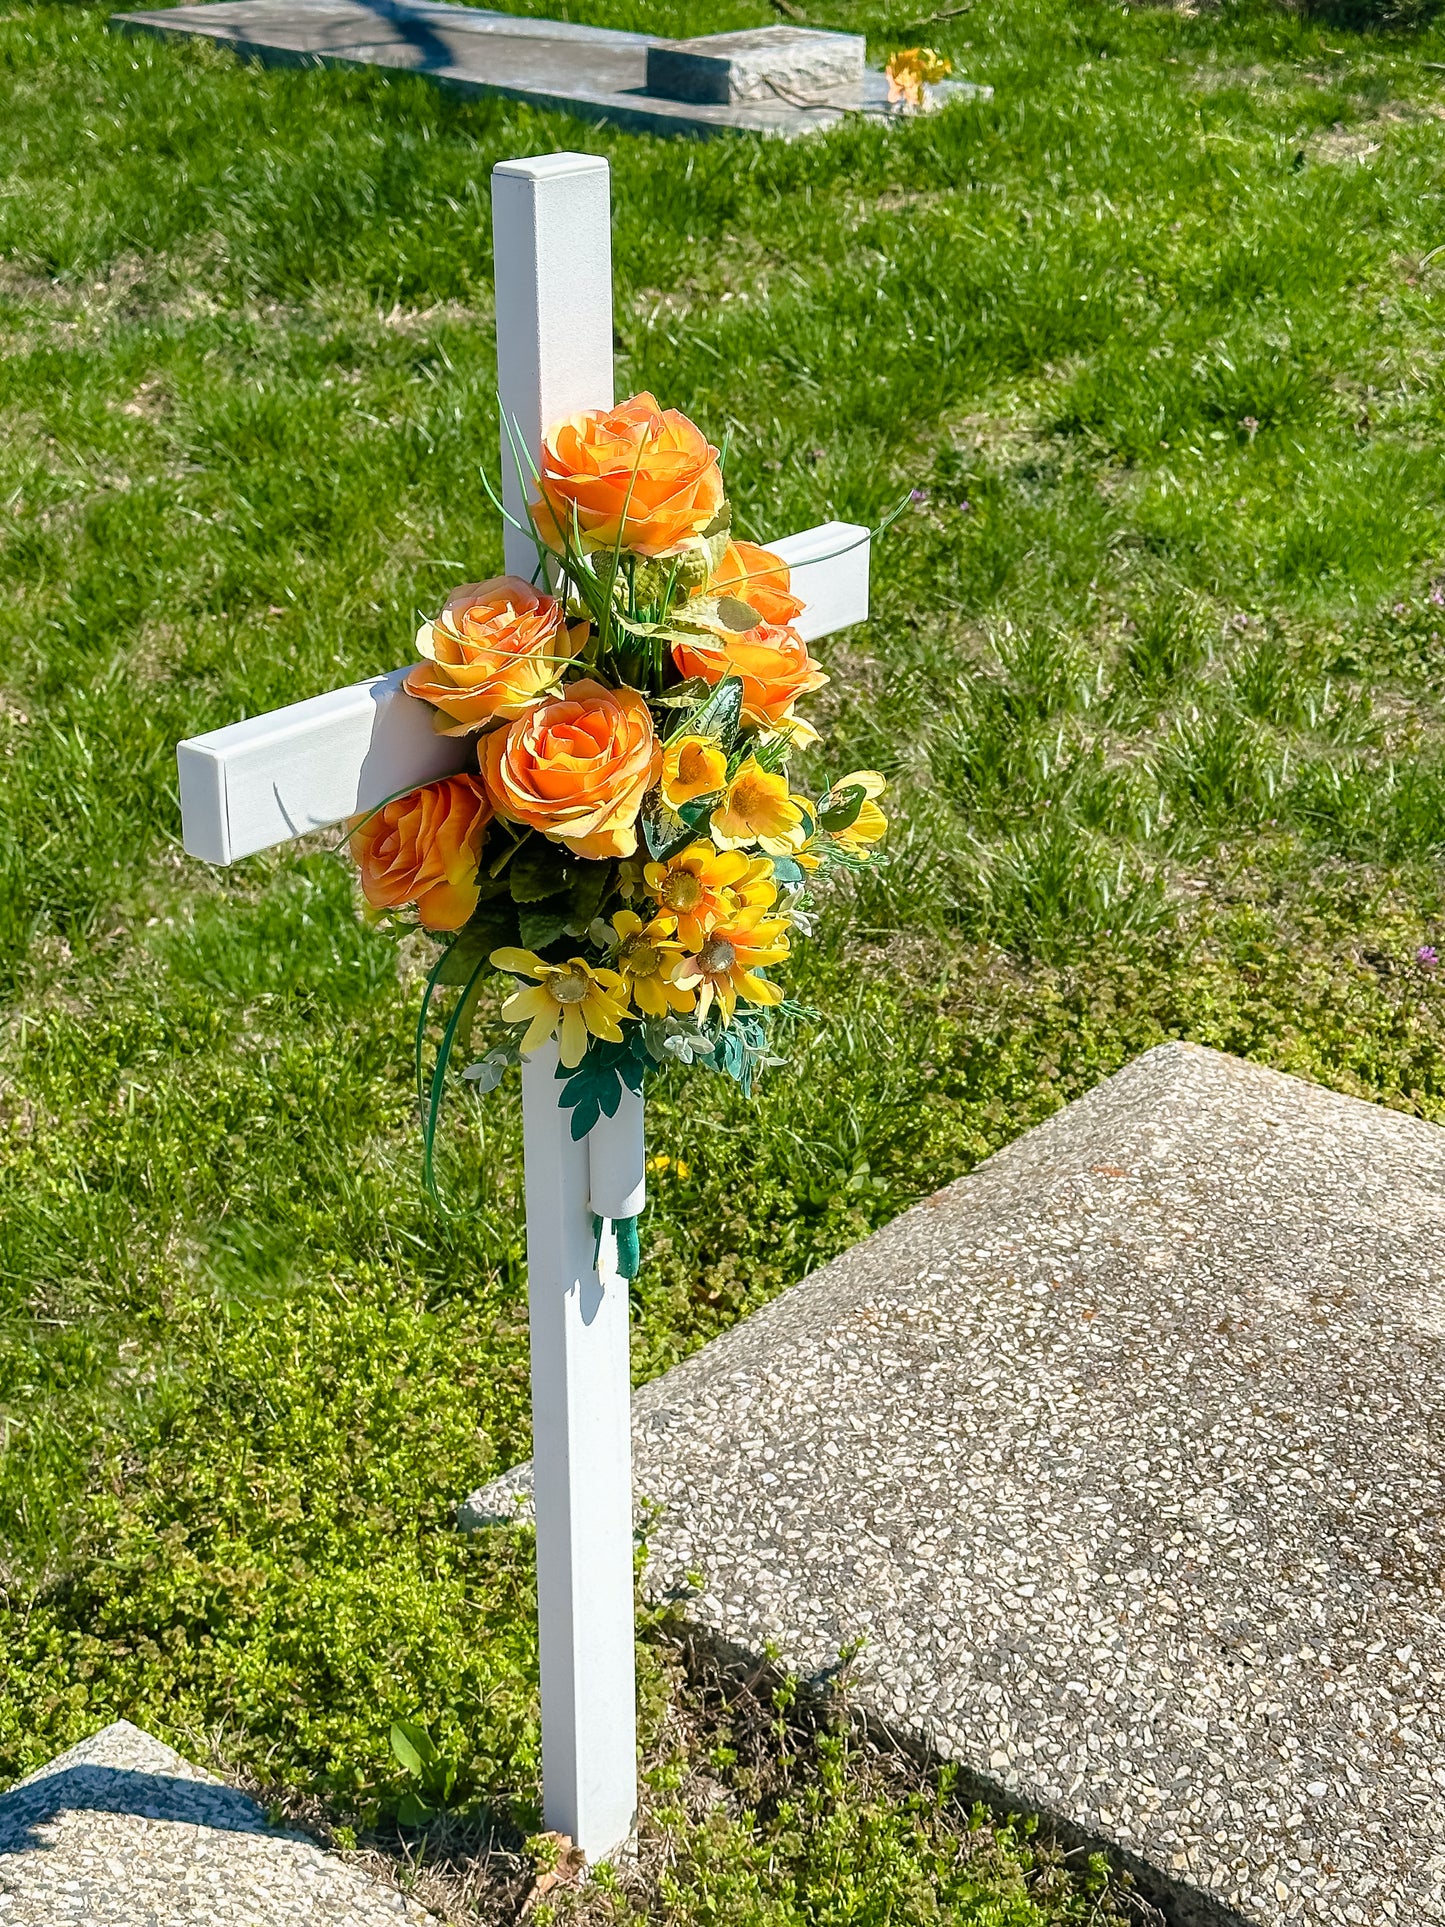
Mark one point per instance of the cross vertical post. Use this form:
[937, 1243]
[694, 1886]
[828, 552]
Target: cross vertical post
[551, 225]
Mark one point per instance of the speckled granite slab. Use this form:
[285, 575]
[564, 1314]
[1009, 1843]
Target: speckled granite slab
[1124, 1455]
[122, 1832]
[598, 73]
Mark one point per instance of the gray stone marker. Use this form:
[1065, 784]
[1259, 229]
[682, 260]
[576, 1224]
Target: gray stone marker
[1124, 1456]
[122, 1832]
[596, 72]
[760, 63]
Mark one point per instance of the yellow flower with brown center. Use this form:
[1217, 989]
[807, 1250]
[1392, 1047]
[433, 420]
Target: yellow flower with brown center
[571, 1002]
[725, 968]
[692, 766]
[759, 808]
[646, 959]
[701, 885]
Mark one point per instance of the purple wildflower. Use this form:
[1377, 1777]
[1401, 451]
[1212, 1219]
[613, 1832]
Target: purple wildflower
[1427, 956]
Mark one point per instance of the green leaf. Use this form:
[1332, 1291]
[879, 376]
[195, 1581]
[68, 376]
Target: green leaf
[719, 715]
[684, 695]
[841, 808]
[541, 869]
[539, 927]
[585, 898]
[412, 1746]
[737, 615]
[412, 1812]
[787, 872]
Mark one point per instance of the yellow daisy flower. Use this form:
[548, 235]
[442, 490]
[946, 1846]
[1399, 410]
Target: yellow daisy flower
[692, 766]
[647, 955]
[700, 885]
[726, 965]
[569, 1001]
[758, 808]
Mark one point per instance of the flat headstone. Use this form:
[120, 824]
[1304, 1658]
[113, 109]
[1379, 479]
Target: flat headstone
[1124, 1456]
[596, 72]
[123, 1832]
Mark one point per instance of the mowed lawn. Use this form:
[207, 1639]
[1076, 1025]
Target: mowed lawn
[1156, 668]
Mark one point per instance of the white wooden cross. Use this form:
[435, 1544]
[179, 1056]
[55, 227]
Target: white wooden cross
[279, 776]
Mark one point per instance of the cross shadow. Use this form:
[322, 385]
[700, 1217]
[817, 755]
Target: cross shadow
[87, 1788]
[412, 27]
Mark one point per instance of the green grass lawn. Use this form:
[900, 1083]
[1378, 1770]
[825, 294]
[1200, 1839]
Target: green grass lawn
[1156, 667]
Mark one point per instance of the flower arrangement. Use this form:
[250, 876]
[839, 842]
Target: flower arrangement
[910, 73]
[626, 844]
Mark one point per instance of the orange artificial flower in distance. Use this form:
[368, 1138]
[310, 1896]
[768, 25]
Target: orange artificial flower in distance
[576, 768]
[426, 849]
[725, 967]
[759, 578]
[692, 766]
[572, 1002]
[637, 474]
[773, 664]
[701, 887]
[496, 648]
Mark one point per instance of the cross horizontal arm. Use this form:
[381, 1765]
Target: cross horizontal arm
[282, 775]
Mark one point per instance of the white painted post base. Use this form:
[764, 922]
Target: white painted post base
[582, 1458]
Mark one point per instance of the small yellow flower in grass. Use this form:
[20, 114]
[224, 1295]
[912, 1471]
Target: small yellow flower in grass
[870, 824]
[692, 766]
[646, 957]
[758, 808]
[701, 885]
[726, 965]
[571, 1002]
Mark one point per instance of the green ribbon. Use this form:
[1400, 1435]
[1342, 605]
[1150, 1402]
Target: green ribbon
[629, 1246]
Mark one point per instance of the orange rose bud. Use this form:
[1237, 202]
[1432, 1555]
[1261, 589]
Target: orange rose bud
[775, 668]
[577, 768]
[495, 648]
[425, 849]
[637, 471]
[759, 578]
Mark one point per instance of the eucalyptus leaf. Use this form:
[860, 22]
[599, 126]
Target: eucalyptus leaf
[488, 1074]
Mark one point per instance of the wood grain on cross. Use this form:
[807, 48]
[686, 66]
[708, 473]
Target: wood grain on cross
[282, 775]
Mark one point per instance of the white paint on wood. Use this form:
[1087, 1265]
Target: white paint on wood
[295, 770]
[618, 1161]
[829, 568]
[582, 1459]
[552, 249]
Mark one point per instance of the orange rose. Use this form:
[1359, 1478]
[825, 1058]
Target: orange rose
[636, 470]
[775, 668]
[425, 849]
[577, 768]
[759, 578]
[492, 651]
